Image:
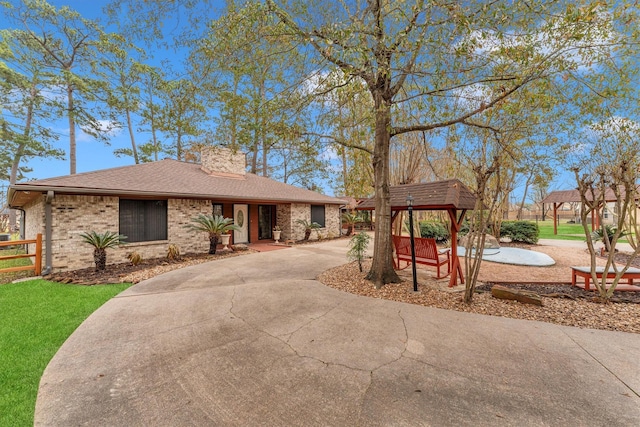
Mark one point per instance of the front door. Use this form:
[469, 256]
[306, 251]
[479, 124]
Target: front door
[241, 219]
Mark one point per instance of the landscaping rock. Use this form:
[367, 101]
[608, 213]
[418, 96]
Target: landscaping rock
[526, 297]
[490, 242]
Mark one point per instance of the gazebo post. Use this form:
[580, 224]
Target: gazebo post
[555, 218]
[456, 268]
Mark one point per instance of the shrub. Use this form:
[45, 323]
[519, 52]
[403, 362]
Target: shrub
[173, 252]
[134, 257]
[600, 235]
[101, 242]
[520, 231]
[434, 230]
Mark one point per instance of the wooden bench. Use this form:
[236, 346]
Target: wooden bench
[427, 253]
[585, 272]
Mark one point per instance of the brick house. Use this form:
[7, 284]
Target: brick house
[151, 203]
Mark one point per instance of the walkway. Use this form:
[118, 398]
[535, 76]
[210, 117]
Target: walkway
[254, 340]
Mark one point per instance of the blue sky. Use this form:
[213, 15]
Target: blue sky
[92, 154]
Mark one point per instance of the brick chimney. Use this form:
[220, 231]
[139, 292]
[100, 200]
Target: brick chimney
[218, 160]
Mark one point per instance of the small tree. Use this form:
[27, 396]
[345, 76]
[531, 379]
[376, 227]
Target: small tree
[357, 247]
[607, 172]
[102, 242]
[350, 219]
[215, 226]
[308, 226]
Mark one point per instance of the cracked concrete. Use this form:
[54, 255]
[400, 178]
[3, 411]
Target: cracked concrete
[255, 340]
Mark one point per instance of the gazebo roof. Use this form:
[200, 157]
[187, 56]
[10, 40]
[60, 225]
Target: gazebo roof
[571, 196]
[437, 195]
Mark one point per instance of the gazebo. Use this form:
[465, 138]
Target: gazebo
[448, 195]
[558, 198]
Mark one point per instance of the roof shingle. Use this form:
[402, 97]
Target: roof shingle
[451, 193]
[175, 179]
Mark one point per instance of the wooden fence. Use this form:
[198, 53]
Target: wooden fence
[37, 264]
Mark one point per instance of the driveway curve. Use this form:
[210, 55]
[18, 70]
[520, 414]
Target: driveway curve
[255, 340]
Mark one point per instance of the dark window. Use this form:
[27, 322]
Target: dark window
[317, 214]
[143, 220]
[217, 209]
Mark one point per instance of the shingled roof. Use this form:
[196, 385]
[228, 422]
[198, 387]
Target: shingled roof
[570, 196]
[169, 179]
[435, 195]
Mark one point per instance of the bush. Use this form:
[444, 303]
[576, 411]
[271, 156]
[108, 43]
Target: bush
[434, 230]
[520, 231]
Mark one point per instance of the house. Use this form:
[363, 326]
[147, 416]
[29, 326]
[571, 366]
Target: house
[151, 204]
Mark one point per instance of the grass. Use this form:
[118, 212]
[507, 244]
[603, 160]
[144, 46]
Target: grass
[36, 317]
[8, 263]
[565, 231]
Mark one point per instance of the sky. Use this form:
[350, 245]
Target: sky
[95, 155]
[91, 154]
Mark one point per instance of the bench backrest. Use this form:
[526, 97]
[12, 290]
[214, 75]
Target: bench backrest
[402, 245]
[425, 247]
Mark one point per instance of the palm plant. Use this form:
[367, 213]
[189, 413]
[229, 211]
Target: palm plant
[101, 242]
[308, 226]
[214, 225]
[351, 219]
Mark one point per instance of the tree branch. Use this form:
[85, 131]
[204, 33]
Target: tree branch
[339, 141]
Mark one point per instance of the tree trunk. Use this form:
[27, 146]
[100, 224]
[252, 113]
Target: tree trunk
[72, 130]
[213, 244]
[100, 258]
[179, 146]
[134, 149]
[13, 177]
[382, 267]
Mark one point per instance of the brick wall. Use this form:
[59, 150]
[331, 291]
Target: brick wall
[73, 215]
[223, 160]
[303, 211]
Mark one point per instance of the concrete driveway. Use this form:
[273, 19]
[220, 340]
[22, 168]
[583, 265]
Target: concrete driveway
[255, 340]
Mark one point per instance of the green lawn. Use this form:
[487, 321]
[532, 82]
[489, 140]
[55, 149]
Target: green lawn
[36, 317]
[8, 263]
[565, 231]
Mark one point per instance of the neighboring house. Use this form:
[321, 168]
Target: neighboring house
[152, 203]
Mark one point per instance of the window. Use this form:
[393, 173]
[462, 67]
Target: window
[317, 214]
[217, 209]
[143, 220]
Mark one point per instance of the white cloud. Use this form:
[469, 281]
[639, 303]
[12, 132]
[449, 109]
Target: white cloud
[472, 96]
[575, 44]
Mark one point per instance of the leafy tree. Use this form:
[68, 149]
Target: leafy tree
[249, 83]
[183, 114]
[423, 55]
[606, 168]
[66, 44]
[23, 91]
[152, 84]
[124, 74]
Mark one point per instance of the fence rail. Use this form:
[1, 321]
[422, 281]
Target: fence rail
[37, 263]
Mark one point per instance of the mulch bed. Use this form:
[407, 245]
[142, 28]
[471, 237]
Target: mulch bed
[563, 290]
[127, 272]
